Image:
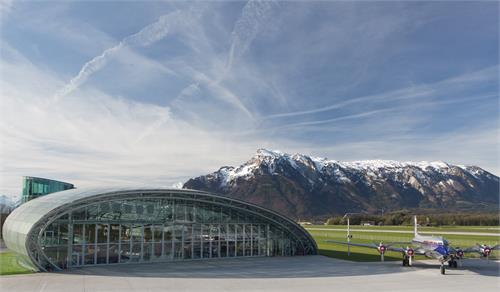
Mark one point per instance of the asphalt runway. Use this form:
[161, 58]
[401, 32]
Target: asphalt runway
[310, 273]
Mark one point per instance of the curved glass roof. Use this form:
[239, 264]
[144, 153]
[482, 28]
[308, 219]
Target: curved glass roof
[21, 221]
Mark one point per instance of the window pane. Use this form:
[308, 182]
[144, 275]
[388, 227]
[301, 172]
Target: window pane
[113, 253]
[89, 233]
[114, 234]
[77, 233]
[102, 233]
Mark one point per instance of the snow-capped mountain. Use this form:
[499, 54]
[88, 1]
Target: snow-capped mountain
[303, 186]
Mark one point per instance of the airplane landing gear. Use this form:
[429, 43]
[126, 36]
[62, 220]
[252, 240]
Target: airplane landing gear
[442, 269]
[452, 263]
[406, 261]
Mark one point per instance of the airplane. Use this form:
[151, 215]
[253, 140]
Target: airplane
[435, 247]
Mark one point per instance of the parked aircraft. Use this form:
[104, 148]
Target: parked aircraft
[430, 246]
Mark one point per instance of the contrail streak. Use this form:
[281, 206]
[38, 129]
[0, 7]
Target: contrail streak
[145, 37]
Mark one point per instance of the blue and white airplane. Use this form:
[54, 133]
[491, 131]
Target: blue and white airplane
[430, 246]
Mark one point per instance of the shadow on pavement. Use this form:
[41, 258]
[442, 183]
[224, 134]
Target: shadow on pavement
[478, 266]
[278, 267]
[275, 267]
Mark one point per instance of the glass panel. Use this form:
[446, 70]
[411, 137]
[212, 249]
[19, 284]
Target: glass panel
[197, 232]
[167, 210]
[167, 249]
[239, 248]
[136, 232]
[102, 233]
[114, 234]
[180, 212]
[89, 233]
[92, 212]
[223, 249]
[135, 256]
[206, 250]
[77, 233]
[177, 250]
[126, 233]
[76, 257]
[89, 254]
[157, 249]
[57, 255]
[79, 214]
[247, 248]
[157, 232]
[190, 213]
[167, 230]
[223, 232]
[187, 250]
[196, 250]
[231, 248]
[148, 234]
[147, 251]
[101, 253]
[225, 216]
[125, 252]
[188, 233]
[63, 233]
[113, 253]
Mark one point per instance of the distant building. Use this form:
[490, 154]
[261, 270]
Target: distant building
[6, 206]
[34, 187]
[304, 223]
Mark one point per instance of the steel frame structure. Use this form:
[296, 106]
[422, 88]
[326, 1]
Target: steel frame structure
[24, 230]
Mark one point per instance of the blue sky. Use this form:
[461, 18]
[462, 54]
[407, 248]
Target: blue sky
[157, 92]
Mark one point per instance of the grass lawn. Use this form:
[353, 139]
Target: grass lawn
[476, 229]
[367, 254]
[10, 266]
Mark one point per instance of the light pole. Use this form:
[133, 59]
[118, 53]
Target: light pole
[349, 236]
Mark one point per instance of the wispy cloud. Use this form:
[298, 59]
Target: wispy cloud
[414, 92]
[145, 37]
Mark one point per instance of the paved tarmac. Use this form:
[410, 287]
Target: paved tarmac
[311, 273]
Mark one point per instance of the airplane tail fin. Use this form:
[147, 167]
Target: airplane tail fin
[415, 225]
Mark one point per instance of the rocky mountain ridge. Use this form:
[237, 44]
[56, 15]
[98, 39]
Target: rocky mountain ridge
[301, 186]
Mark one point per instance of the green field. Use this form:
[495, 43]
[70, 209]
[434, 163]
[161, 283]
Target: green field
[9, 264]
[367, 254]
[476, 229]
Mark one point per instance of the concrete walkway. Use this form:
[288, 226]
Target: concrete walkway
[312, 273]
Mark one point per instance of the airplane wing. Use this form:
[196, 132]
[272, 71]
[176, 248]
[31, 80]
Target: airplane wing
[371, 245]
[481, 249]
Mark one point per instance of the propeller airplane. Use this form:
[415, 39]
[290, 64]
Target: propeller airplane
[435, 247]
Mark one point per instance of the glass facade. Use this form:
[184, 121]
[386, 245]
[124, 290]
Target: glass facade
[149, 230]
[34, 187]
[76, 228]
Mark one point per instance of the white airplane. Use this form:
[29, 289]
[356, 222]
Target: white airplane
[430, 246]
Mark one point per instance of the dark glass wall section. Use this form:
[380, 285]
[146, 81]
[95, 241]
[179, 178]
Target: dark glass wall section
[162, 229]
[34, 187]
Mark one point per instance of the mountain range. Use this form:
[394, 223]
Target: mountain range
[302, 186]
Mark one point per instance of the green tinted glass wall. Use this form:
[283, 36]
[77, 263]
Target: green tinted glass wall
[34, 187]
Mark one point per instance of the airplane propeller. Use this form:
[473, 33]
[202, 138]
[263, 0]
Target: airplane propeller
[381, 248]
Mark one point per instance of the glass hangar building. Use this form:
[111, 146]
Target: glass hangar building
[76, 228]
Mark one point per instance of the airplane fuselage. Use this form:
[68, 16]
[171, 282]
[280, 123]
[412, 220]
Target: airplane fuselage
[432, 246]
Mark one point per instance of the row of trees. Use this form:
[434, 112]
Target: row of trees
[401, 218]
